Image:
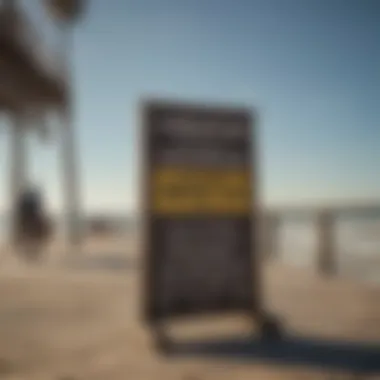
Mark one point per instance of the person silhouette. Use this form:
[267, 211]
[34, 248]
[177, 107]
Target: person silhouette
[32, 224]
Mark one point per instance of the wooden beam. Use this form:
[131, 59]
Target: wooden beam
[19, 61]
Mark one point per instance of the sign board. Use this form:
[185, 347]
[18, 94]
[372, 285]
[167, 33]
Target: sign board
[199, 199]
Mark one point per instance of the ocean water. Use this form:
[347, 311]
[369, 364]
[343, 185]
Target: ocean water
[357, 244]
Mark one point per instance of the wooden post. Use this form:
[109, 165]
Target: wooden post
[18, 170]
[69, 146]
[73, 228]
[327, 260]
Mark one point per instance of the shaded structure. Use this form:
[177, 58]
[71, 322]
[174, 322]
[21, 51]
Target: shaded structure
[31, 89]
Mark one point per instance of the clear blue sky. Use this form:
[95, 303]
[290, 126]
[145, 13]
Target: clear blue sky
[312, 67]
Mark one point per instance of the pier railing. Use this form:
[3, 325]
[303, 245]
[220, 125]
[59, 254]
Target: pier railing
[325, 222]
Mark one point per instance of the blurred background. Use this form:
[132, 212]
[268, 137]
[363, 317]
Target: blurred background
[310, 68]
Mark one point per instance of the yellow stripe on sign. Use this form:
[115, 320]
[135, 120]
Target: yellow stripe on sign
[192, 191]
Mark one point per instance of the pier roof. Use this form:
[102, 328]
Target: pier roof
[27, 80]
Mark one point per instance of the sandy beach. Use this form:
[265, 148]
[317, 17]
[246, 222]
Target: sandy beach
[78, 318]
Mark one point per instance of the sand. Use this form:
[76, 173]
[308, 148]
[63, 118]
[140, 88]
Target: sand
[78, 318]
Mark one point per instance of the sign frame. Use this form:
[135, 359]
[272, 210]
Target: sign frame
[147, 108]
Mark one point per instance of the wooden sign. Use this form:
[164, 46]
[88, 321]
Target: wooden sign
[199, 206]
